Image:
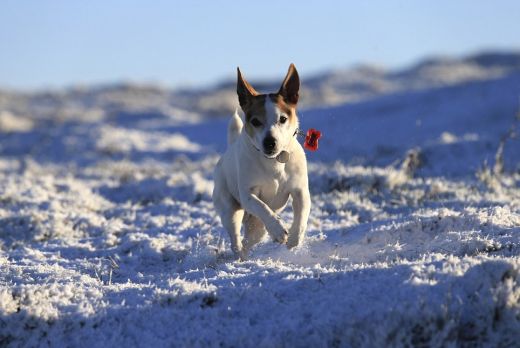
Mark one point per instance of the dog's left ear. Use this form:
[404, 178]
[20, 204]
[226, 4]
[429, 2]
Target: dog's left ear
[290, 86]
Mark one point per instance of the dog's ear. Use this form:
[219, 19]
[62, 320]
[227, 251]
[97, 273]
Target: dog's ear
[244, 90]
[290, 86]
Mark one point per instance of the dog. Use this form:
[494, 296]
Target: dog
[262, 167]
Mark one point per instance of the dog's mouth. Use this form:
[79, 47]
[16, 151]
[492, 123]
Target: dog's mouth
[271, 154]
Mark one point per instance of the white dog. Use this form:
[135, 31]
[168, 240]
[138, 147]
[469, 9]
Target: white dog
[263, 165]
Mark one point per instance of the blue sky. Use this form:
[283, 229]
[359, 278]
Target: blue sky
[62, 43]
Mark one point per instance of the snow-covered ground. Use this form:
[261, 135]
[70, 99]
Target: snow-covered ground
[109, 238]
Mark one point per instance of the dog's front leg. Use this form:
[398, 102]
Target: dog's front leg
[301, 203]
[253, 205]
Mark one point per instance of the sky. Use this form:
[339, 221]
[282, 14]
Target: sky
[191, 43]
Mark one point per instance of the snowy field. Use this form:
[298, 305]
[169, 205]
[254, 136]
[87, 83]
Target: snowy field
[108, 236]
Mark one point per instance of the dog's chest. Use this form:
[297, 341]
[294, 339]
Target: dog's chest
[274, 192]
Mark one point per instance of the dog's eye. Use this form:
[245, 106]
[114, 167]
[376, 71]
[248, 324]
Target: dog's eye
[283, 119]
[256, 123]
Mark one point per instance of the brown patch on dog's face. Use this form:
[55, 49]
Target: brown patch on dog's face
[255, 112]
[285, 108]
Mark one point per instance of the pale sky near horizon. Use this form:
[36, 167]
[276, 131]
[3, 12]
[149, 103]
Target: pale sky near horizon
[62, 43]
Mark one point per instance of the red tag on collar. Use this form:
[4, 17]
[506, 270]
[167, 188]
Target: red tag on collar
[311, 139]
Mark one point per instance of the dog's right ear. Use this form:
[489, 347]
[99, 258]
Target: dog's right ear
[244, 90]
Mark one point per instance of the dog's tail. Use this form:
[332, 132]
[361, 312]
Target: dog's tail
[234, 128]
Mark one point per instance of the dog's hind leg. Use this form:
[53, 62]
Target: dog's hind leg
[231, 216]
[254, 231]
[232, 221]
[229, 210]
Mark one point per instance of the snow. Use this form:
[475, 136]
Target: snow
[108, 236]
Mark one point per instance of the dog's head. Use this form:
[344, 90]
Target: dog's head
[270, 119]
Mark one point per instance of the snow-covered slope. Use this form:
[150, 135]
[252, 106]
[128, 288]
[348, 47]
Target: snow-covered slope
[329, 88]
[109, 238]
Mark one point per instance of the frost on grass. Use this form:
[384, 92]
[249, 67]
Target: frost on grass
[108, 236]
[128, 253]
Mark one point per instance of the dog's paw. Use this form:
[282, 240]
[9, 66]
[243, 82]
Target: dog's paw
[292, 242]
[278, 232]
[237, 256]
[244, 256]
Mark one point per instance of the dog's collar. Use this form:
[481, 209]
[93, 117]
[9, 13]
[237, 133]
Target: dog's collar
[299, 132]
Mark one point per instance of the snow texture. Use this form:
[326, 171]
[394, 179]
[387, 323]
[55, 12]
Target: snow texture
[108, 236]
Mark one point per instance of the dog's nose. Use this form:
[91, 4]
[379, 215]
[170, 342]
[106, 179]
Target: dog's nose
[269, 144]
